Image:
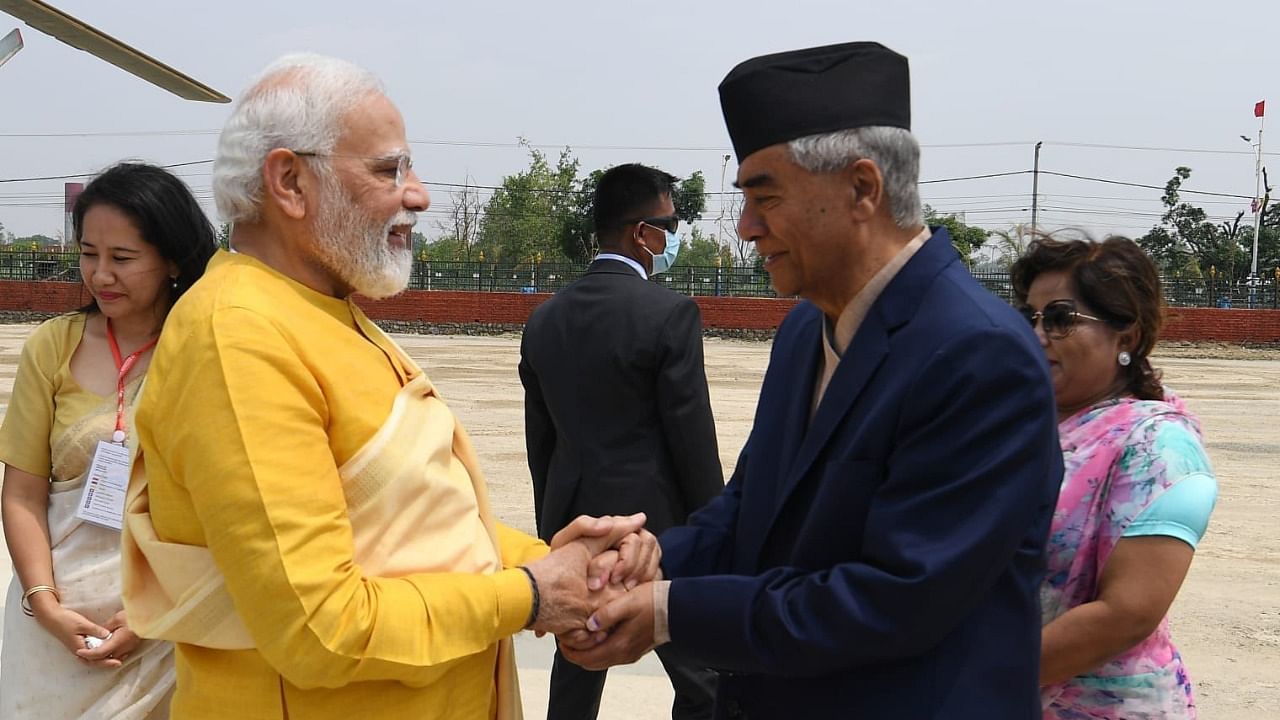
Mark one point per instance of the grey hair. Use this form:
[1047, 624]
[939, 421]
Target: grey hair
[893, 150]
[297, 102]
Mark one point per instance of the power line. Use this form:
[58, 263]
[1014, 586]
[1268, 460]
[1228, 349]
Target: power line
[1140, 185]
[90, 174]
[496, 188]
[109, 133]
[430, 183]
[931, 198]
[654, 148]
[1128, 199]
[1203, 151]
[976, 177]
[461, 143]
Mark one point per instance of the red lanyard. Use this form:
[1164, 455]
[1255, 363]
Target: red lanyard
[122, 367]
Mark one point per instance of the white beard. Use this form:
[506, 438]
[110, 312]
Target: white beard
[354, 246]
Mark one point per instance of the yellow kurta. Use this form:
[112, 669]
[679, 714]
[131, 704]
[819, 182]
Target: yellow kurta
[259, 391]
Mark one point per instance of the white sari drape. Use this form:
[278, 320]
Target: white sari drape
[41, 679]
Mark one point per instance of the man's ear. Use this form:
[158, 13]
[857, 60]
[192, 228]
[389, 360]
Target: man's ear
[283, 183]
[865, 182]
[636, 236]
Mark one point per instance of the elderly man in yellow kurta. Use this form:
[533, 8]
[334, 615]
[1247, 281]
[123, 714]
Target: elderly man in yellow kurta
[306, 519]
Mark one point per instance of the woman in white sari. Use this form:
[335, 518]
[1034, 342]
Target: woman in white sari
[68, 651]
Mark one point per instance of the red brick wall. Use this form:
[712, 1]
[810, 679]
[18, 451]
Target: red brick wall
[1183, 324]
[450, 307]
[440, 306]
[743, 313]
[41, 296]
[1232, 326]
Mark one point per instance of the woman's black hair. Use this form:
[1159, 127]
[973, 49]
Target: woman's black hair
[165, 212]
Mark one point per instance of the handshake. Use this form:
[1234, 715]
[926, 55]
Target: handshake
[594, 590]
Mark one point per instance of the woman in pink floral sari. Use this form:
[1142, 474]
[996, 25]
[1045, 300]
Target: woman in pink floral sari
[1137, 490]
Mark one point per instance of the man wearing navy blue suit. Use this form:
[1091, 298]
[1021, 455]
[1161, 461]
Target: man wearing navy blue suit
[879, 548]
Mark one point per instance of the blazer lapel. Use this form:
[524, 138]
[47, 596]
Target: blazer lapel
[804, 357]
[866, 353]
[894, 308]
[780, 425]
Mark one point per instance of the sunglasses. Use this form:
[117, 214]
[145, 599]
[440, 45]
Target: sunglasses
[1059, 318]
[664, 222]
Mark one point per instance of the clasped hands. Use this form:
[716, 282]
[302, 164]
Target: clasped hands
[596, 590]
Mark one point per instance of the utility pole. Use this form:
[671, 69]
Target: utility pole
[724, 200]
[1254, 280]
[1257, 194]
[1035, 189]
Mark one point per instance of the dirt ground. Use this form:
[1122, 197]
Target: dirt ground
[1226, 619]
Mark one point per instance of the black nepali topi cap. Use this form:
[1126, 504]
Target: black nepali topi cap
[780, 97]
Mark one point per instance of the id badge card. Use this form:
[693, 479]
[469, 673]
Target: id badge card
[102, 500]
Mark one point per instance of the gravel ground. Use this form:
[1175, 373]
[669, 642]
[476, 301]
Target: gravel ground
[1226, 619]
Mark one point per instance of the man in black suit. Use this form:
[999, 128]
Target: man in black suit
[617, 416]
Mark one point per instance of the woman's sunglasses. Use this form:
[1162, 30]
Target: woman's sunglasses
[1059, 318]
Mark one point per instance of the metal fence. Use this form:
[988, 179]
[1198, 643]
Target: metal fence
[550, 277]
[39, 265]
[1212, 291]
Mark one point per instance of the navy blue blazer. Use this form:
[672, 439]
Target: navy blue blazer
[883, 560]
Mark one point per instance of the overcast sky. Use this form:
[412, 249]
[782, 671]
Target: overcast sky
[637, 82]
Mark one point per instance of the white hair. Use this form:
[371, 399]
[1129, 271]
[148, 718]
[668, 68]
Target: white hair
[893, 150]
[298, 103]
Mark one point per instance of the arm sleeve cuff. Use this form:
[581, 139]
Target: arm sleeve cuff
[1164, 528]
[515, 600]
[518, 548]
[661, 627]
[1182, 511]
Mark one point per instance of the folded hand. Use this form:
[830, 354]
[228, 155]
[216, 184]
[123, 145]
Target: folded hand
[562, 575]
[619, 633]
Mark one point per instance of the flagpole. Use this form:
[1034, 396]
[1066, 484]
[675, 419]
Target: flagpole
[1257, 194]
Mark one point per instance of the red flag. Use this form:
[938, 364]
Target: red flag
[1257, 109]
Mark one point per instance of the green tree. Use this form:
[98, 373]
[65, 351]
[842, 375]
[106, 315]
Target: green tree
[444, 249]
[463, 222]
[526, 219]
[545, 212]
[702, 250]
[418, 245]
[1268, 239]
[1186, 242]
[965, 238]
[690, 197]
[223, 236]
[1164, 249]
[578, 239]
[35, 242]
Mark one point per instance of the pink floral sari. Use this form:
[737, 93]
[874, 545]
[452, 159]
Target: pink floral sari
[1113, 472]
